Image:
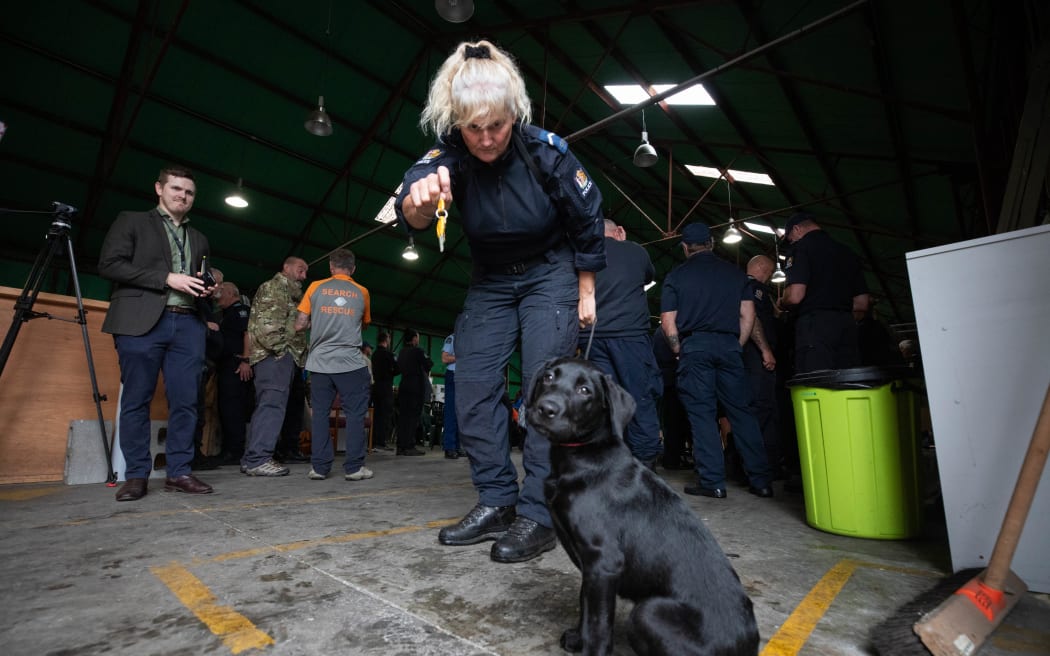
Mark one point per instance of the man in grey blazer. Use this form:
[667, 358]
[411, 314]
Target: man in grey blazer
[156, 317]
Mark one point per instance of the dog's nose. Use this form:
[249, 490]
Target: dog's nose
[549, 408]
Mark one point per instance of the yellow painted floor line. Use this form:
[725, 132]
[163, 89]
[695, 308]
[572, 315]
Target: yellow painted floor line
[237, 631]
[800, 624]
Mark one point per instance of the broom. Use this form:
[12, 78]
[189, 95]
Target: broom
[962, 623]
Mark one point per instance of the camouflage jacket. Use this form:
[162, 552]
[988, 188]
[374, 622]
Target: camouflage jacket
[271, 324]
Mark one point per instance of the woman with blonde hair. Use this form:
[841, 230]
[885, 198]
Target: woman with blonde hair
[532, 216]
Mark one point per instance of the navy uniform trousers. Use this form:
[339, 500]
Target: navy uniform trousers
[540, 306]
[631, 363]
[711, 371]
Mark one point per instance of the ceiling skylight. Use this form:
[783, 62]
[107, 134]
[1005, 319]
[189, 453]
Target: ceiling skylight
[738, 176]
[632, 94]
[760, 227]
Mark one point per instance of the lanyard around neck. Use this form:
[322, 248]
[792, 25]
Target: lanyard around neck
[180, 244]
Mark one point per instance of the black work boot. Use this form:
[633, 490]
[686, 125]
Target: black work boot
[524, 540]
[480, 524]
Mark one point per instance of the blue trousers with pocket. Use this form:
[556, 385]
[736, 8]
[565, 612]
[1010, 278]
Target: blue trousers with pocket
[540, 307]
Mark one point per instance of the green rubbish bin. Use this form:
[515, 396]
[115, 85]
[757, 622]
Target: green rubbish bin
[859, 450]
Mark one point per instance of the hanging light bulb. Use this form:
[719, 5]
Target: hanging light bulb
[778, 275]
[317, 122]
[455, 11]
[410, 252]
[236, 197]
[732, 235]
[645, 155]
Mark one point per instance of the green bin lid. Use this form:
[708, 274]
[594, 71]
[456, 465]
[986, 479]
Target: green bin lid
[853, 378]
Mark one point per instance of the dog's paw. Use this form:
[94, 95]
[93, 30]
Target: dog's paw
[570, 640]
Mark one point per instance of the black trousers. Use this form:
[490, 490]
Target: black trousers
[383, 414]
[764, 400]
[234, 397]
[409, 411]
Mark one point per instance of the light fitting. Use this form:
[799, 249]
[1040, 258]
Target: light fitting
[645, 155]
[236, 197]
[410, 252]
[317, 122]
[778, 276]
[455, 11]
[732, 235]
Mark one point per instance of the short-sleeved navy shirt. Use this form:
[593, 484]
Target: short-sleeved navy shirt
[763, 298]
[706, 292]
[831, 273]
[619, 290]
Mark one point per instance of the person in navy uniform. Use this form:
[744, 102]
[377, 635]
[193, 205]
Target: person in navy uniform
[532, 217]
[233, 373]
[760, 360]
[707, 313]
[826, 291]
[621, 346]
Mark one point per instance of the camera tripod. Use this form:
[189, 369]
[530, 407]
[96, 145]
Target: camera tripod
[57, 240]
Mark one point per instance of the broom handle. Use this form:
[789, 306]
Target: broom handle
[1021, 501]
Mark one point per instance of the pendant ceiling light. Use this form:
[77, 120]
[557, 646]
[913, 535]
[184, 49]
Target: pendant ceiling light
[778, 276]
[732, 235]
[318, 122]
[237, 198]
[645, 155]
[410, 252]
[455, 11]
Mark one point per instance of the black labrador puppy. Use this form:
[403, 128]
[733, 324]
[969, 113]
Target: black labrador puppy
[628, 532]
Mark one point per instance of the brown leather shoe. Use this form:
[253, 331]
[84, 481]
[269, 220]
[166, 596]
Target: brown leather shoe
[187, 483]
[132, 490]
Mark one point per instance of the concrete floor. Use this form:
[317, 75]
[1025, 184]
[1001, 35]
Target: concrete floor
[293, 566]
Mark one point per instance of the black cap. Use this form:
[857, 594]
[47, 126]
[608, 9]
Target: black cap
[795, 220]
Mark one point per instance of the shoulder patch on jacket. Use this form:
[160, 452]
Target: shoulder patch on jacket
[583, 182]
[553, 140]
[431, 155]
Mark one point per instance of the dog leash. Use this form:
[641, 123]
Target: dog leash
[587, 353]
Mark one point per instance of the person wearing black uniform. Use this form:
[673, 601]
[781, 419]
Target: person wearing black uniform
[384, 368]
[233, 373]
[678, 441]
[621, 346]
[825, 287]
[759, 359]
[707, 313]
[532, 217]
[415, 369]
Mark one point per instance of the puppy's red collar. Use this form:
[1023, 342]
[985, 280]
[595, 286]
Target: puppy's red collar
[571, 444]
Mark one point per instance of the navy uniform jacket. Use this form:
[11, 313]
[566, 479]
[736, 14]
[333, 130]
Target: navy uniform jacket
[706, 292]
[831, 273]
[232, 328]
[137, 257]
[619, 290]
[515, 210]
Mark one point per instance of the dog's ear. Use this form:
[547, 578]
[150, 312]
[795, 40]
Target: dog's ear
[618, 404]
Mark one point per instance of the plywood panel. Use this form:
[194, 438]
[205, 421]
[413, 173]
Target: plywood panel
[46, 385]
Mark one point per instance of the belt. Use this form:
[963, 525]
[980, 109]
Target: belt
[516, 268]
[180, 309]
